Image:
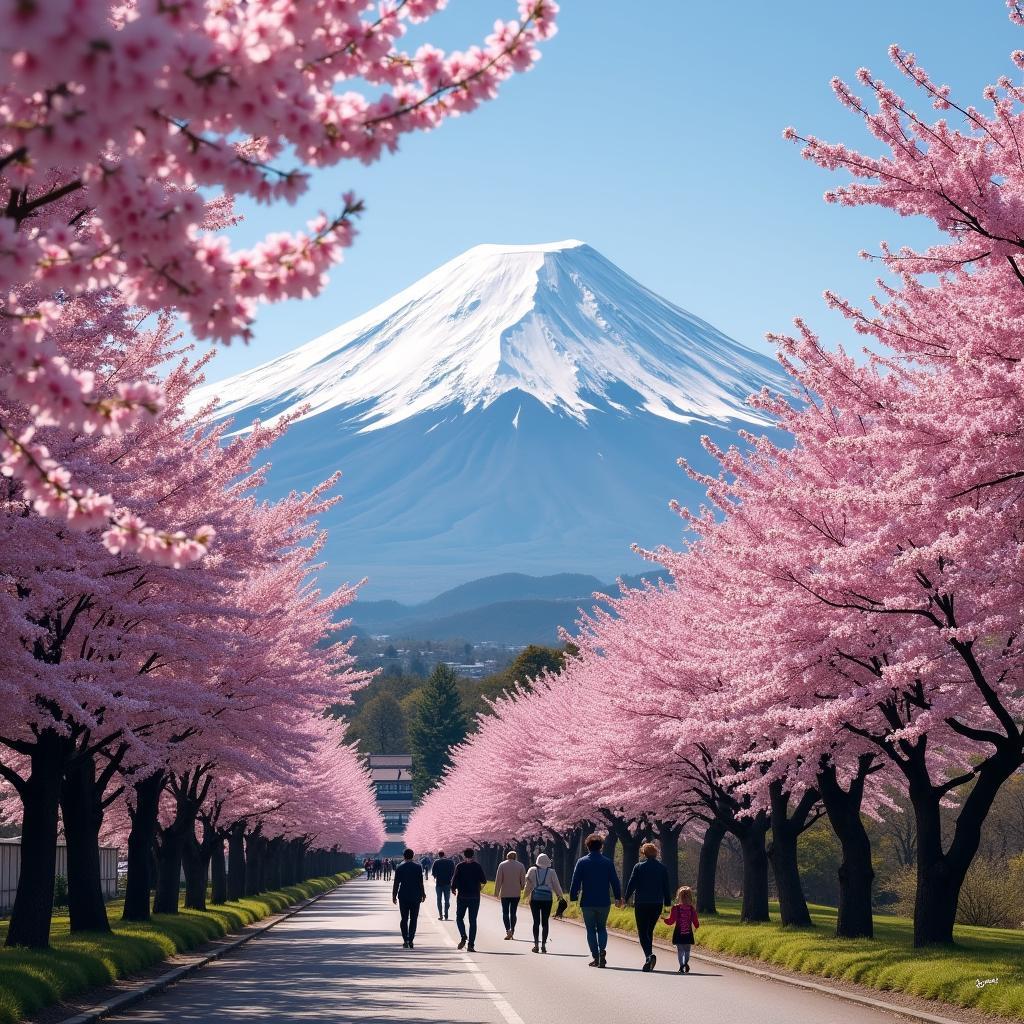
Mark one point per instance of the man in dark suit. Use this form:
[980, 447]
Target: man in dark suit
[408, 892]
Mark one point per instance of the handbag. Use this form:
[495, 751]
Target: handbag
[563, 905]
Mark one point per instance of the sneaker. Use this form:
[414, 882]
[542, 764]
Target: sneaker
[597, 963]
[682, 970]
[508, 935]
[654, 960]
[647, 966]
[686, 968]
[536, 948]
[543, 949]
[604, 960]
[441, 918]
[462, 943]
[405, 944]
[472, 949]
[411, 945]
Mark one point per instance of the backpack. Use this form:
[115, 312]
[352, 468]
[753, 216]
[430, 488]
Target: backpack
[542, 891]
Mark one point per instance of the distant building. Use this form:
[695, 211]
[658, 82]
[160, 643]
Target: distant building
[392, 779]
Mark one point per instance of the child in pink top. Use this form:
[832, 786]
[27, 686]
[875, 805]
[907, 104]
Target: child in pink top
[684, 916]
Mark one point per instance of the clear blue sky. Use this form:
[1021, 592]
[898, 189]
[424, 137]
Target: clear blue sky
[651, 130]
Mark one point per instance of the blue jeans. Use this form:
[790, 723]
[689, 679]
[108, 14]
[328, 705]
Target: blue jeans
[446, 892]
[596, 920]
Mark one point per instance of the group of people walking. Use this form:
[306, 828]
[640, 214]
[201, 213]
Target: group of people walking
[595, 884]
[378, 867]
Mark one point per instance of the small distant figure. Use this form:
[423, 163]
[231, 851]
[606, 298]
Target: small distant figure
[408, 892]
[592, 879]
[649, 886]
[684, 916]
[509, 882]
[425, 862]
[378, 867]
[542, 885]
[442, 869]
[367, 868]
[467, 882]
[389, 866]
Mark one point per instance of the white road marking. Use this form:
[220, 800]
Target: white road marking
[502, 1005]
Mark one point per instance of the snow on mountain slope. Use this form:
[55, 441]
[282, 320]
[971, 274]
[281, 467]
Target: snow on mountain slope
[557, 322]
[520, 409]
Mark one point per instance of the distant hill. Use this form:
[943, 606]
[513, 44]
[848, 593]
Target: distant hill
[509, 608]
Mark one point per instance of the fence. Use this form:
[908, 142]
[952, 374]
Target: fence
[10, 865]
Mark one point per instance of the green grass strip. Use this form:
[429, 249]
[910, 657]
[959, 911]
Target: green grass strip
[31, 979]
[889, 962]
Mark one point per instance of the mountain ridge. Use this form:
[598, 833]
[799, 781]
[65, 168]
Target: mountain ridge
[491, 613]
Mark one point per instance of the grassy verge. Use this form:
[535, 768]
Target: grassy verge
[30, 980]
[888, 962]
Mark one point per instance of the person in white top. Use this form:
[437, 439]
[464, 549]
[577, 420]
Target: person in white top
[508, 887]
[542, 885]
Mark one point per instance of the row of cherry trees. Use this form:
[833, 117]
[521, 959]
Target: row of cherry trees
[846, 620]
[167, 654]
[152, 700]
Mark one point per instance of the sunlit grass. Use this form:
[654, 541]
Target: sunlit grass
[30, 980]
[887, 962]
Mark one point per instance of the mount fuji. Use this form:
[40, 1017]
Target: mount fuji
[518, 409]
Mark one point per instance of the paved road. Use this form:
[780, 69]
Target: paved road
[342, 960]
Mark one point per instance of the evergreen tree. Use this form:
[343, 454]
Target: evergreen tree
[438, 724]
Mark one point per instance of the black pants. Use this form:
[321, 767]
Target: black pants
[647, 915]
[541, 910]
[461, 907]
[509, 912]
[410, 915]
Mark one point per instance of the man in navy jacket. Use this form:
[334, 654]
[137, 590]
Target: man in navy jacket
[596, 878]
[407, 891]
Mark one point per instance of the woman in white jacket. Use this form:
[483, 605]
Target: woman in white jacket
[542, 885]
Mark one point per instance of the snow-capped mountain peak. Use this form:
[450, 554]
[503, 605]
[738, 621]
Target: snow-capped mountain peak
[555, 321]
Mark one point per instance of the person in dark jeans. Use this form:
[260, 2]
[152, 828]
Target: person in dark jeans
[468, 880]
[442, 869]
[408, 892]
[649, 887]
[592, 878]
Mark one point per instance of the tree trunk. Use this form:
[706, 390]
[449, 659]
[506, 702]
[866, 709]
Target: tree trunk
[144, 816]
[81, 805]
[707, 868]
[782, 853]
[668, 839]
[236, 862]
[254, 871]
[168, 878]
[631, 843]
[195, 859]
[751, 834]
[218, 872]
[40, 799]
[854, 920]
[940, 875]
[274, 856]
[611, 841]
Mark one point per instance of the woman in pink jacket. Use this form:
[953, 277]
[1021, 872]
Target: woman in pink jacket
[684, 916]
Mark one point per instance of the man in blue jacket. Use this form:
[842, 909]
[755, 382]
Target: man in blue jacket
[596, 878]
